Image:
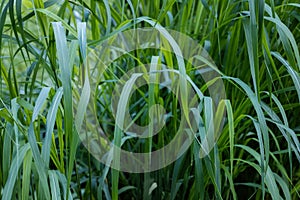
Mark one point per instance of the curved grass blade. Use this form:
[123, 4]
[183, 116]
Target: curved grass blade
[15, 166]
[50, 121]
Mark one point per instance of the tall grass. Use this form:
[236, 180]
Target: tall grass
[43, 57]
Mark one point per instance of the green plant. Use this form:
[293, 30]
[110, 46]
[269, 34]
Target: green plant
[254, 44]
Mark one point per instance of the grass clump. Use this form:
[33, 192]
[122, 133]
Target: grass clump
[44, 57]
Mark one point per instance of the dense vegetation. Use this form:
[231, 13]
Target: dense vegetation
[255, 46]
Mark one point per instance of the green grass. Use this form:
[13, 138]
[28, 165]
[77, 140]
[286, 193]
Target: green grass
[44, 62]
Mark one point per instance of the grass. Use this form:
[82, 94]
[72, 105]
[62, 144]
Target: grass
[45, 55]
